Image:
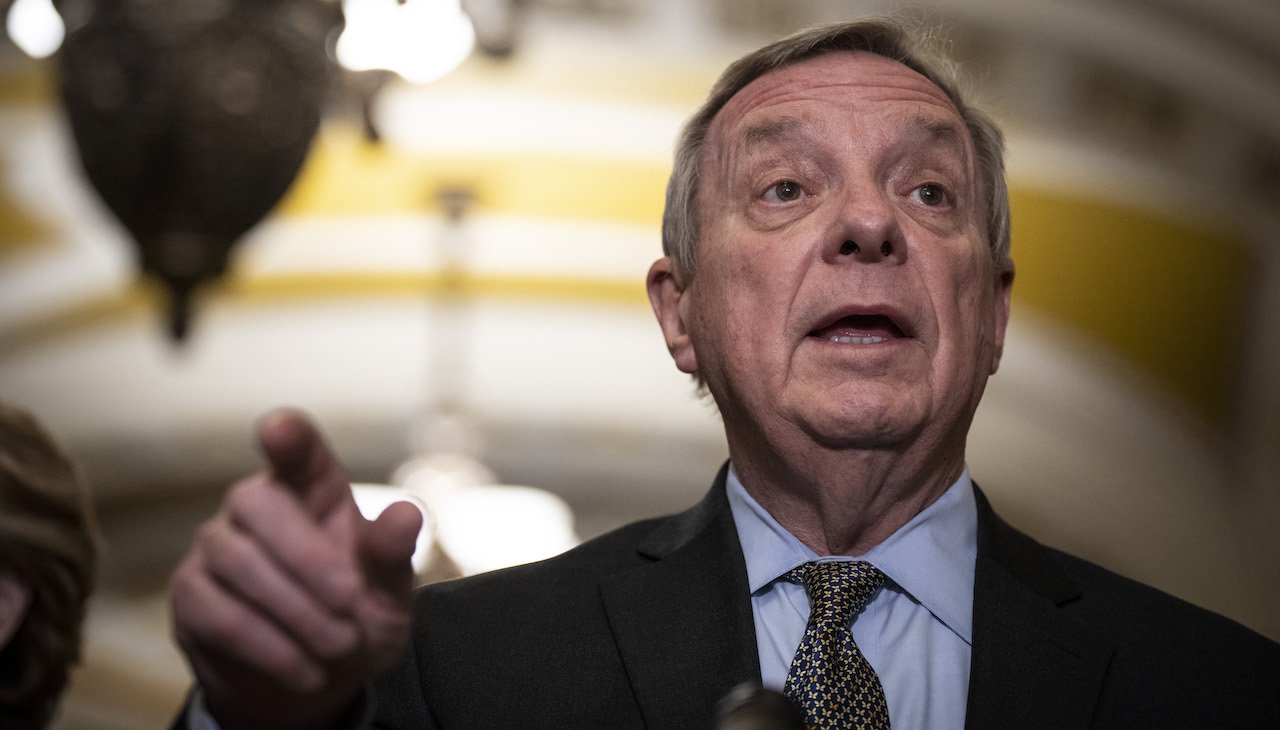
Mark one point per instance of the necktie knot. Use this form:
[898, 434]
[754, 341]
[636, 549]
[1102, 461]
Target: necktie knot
[837, 589]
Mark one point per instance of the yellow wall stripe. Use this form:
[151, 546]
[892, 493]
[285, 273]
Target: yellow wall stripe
[1171, 298]
[346, 175]
[434, 286]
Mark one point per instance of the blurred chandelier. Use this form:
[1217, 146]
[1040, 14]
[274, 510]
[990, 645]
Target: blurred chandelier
[471, 522]
[192, 118]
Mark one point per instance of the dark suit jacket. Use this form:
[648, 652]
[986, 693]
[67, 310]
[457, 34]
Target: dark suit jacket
[650, 625]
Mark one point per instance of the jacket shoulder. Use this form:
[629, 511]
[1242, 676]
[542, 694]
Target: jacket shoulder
[1142, 657]
[517, 647]
[514, 643]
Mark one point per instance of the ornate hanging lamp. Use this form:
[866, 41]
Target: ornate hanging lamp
[192, 118]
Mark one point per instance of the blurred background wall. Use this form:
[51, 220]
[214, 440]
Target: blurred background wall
[485, 258]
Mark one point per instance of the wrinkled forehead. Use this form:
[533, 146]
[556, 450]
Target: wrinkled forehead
[855, 80]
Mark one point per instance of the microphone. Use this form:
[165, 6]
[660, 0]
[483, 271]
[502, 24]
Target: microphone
[750, 706]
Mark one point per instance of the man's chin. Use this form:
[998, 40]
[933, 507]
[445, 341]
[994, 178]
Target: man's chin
[864, 425]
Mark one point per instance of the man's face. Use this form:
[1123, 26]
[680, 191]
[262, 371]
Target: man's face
[799, 336]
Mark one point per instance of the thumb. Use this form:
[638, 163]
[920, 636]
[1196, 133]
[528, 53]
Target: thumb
[299, 458]
[387, 544]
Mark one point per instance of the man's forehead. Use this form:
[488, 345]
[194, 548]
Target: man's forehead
[852, 77]
[925, 128]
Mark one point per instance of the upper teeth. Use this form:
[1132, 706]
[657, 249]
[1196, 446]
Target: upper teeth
[852, 340]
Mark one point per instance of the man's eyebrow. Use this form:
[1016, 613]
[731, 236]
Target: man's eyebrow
[768, 131]
[939, 130]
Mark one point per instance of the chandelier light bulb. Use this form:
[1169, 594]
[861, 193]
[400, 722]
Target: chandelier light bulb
[35, 27]
[421, 40]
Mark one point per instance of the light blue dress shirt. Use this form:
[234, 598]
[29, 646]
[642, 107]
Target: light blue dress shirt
[916, 631]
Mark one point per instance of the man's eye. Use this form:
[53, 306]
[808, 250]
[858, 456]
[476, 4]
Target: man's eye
[785, 191]
[930, 194]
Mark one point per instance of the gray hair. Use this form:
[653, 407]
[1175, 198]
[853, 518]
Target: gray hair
[681, 222]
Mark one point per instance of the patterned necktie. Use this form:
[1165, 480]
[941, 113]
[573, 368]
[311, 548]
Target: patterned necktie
[829, 678]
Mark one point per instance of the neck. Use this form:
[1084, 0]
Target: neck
[845, 501]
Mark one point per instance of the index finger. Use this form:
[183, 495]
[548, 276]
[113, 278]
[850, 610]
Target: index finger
[299, 458]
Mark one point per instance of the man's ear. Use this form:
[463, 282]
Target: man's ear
[1003, 283]
[15, 599]
[666, 294]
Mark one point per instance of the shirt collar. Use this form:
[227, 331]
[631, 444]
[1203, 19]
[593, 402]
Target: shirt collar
[931, 557]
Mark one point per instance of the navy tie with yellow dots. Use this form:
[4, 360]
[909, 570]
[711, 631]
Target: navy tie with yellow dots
[829, 678]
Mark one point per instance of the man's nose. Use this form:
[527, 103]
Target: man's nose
[868, 232]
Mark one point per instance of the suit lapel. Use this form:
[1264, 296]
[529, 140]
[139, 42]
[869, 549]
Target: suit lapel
[683, 622]
[1032, 665]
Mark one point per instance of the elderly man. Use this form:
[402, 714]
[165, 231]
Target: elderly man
[837, 276]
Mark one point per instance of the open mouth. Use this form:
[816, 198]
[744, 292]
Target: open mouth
[860, 329]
